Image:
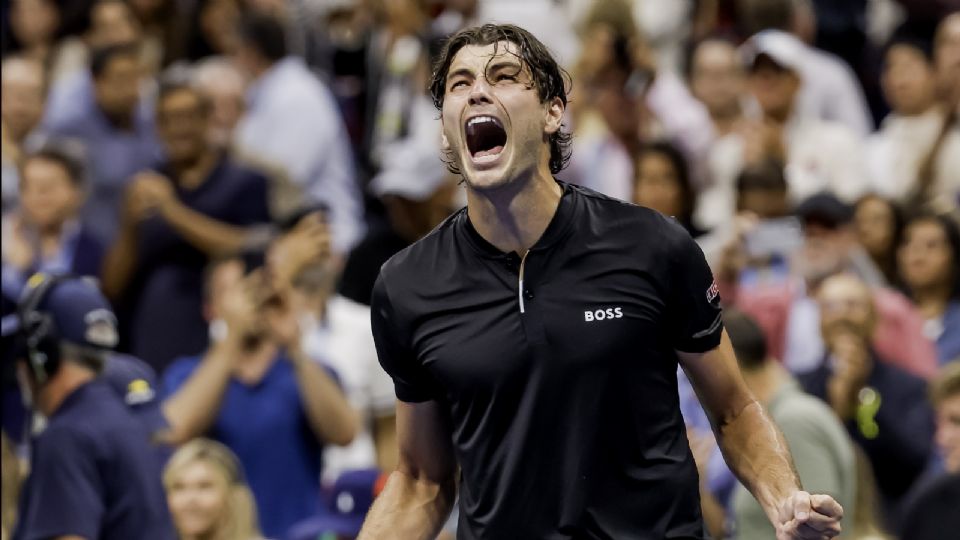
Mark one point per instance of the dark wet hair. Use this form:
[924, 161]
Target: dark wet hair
[550, 80]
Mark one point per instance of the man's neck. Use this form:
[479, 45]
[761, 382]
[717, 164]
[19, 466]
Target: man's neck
[192, 174]
[68, 379]
[512, 218]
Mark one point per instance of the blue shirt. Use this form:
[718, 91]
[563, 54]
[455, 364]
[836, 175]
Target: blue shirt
[265, 425]
[165, 297]
[948, 340]
[112, 155]
[94, 474]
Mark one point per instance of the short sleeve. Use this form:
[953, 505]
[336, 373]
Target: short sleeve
[694, 313]
[411, 382]
[64, 495]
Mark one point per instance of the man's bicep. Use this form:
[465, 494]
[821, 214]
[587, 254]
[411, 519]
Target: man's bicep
[716, 378]
[424, 442]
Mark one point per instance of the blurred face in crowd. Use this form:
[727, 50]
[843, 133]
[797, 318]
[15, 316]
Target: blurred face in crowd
[494, 125]
[658, 184]
[118, 87]
[21, 96]
[617, 102]
[716, 77]
[764, 203]
[198, 496]
[874, 223]
[774, 87]
[825, 250]
[48, 196]
[846, 304]
[112, 22]
[948, 431]
[909, 81]
[924, 258]
[182, 124]
[947, 56]
[222, 86]
[34, 22]
[219, 20]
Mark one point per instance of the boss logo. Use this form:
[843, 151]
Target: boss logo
[603, 314]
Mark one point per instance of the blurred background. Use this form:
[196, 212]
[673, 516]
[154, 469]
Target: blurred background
[178, 149]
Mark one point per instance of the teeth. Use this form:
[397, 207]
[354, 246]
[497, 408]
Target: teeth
[478, 119]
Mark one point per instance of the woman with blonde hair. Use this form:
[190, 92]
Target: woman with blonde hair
[208, 495]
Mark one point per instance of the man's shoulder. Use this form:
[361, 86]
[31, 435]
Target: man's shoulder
[608, 215]
[426, 252]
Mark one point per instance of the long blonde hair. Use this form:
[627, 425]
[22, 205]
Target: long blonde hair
[239, 521]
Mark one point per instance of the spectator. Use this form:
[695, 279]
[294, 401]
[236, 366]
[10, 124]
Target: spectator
[111, 120]
[946, 55]
[44, 235]
[11, 487]
[822, 451]
[818, 154]
[337, 331]
[360, 488]
[162, 22]
[292, 122]
[929, 263]
[208, 495]
[914, 129]
[89, 479]
[789, 314]
[21, 107]
[214, 29]
[663, 183]
[628, 98]
[883, 407]
[830, 90]
[221, 84]
[934, 508]
[255, 391]
[878, 223]
[37, 29]
[717, 80]
[198, 204]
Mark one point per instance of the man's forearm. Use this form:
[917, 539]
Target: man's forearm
[119, 263]
[409, 509]
[209, 235]
[191, 410]
[331, 417]
[758, 455]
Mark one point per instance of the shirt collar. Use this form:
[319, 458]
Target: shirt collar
[557, 229]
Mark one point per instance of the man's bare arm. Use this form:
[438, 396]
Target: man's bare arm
[754, 448]
[419, 494]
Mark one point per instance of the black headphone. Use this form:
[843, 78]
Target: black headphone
[37, 328]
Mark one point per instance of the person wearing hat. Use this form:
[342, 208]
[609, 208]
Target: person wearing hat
[94, 471]
[911, 134]
[817, 154]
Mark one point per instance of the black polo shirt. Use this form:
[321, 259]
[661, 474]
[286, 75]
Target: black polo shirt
[563, 397]
[94, 474]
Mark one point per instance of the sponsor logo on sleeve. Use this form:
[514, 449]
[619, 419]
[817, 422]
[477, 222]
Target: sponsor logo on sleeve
[713, 292]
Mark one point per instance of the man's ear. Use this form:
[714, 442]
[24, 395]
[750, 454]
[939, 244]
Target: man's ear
[555, 108]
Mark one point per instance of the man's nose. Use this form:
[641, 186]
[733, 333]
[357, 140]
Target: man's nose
[480, 92]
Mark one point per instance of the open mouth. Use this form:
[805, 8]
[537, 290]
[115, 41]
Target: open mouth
[485, 136]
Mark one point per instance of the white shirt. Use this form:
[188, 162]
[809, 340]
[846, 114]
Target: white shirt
[896, 152]
[830, 91]
[345, 343]
[821, 156]
[293, 123]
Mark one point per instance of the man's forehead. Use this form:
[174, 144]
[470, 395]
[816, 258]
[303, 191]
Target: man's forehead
[476, 57]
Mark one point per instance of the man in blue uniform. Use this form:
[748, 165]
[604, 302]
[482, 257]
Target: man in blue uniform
[94, 473]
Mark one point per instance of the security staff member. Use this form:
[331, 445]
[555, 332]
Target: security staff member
[94, 474]
[533, 338]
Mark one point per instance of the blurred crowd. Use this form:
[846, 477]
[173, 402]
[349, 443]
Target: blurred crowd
[235, 172]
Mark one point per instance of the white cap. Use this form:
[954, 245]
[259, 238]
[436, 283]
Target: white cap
[784, 49]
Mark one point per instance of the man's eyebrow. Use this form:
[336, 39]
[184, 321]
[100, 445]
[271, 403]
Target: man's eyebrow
[505, 64]
[460, 72]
